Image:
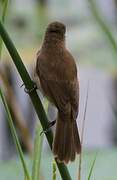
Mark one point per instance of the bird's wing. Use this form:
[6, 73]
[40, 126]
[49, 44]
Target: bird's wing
[64, 93]
[74, 97]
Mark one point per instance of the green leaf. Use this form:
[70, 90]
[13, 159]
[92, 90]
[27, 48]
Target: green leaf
[38, 147]
[82, 134]
[92, 167]
[104, 27]
[54, 170]
[37, 152]
[14, 134]
[5, 5]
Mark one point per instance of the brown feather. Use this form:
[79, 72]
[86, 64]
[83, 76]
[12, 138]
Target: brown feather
[57, 72]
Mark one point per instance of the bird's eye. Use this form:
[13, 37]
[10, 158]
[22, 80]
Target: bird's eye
[54, 30]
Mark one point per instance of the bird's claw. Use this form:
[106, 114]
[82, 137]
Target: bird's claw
[51, 124]
[28, 91]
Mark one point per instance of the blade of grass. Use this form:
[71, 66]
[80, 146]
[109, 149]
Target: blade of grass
[82, 134]
[103, 25]
[5, 5]
[37, 153]
[14, 134]
[92, 167]
[33, 95]
[54, 170]
[38, 148]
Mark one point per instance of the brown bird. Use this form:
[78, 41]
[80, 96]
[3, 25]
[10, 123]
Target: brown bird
[57, 76]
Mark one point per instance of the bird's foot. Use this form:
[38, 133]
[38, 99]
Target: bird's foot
[51, 124]
[28, 91]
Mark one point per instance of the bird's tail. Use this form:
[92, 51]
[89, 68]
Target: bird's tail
[66, 141]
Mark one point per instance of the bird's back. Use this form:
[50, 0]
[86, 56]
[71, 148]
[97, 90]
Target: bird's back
[57, 65]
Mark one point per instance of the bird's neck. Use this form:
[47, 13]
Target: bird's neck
[53, 42]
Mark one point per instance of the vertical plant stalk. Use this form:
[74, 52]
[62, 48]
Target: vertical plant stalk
[54, 170]
[82, 135]
[14, 134]
[33, 95]
[103, 25]
[92, 166]
[37, 153]
[38, 144]
[5, 5]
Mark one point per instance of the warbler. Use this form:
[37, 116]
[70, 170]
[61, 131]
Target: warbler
[56, 75]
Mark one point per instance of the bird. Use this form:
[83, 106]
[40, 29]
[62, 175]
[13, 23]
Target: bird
[56, 77]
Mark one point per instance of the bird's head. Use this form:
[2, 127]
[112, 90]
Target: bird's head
[56, 29]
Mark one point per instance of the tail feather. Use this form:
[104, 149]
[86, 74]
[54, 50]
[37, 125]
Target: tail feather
[73, 152]
[77, 138]
[61, 148]
[66, 141]
[57, 138]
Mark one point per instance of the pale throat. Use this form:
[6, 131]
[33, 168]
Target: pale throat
[53, 42]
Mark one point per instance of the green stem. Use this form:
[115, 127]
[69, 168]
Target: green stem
[37, 152]
[4, 10]
[33, 95]
[92, 166]
[3, 20]
[103, 25]
[14, 134]
[54, 170]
